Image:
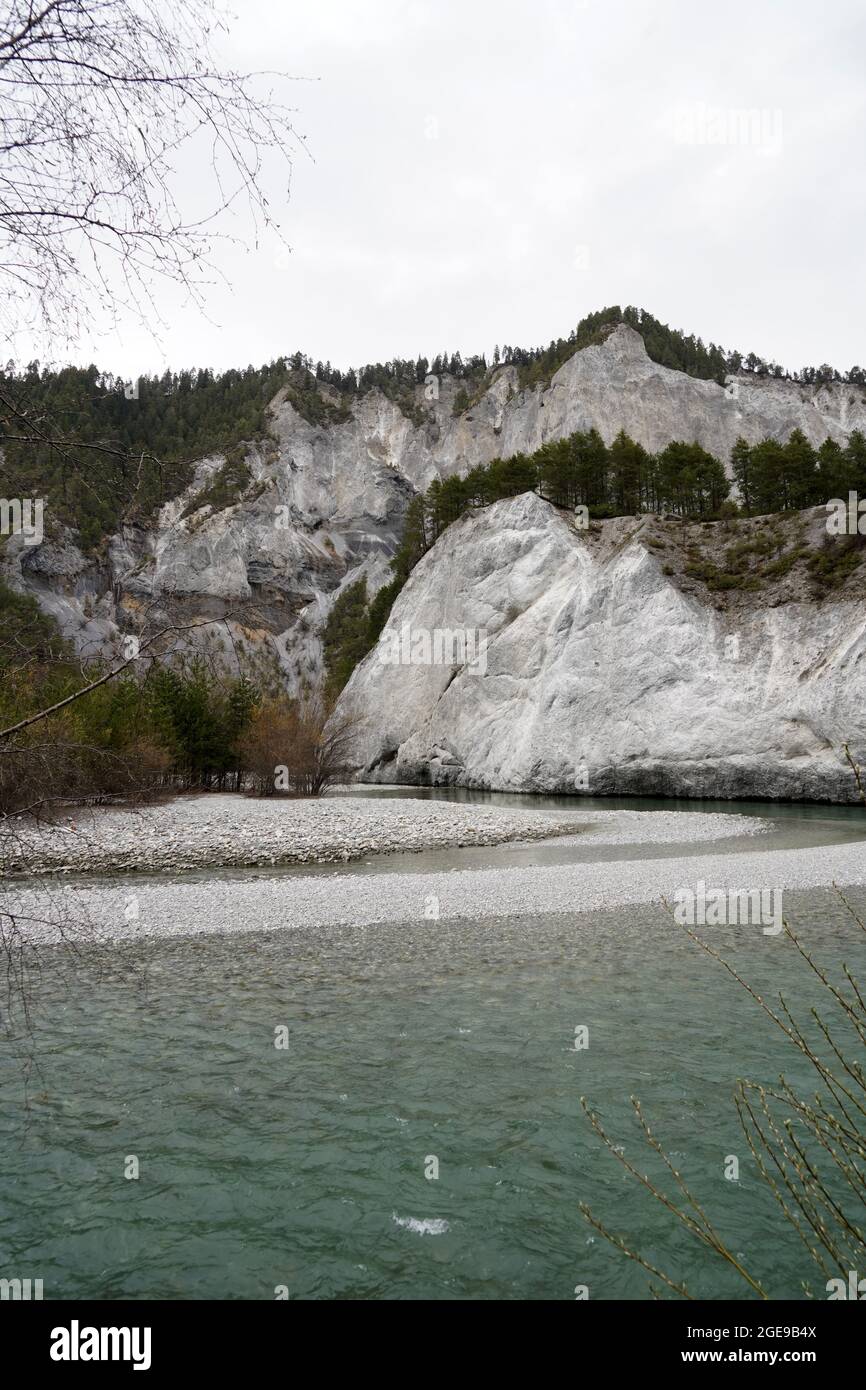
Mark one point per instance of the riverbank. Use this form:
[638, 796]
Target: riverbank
[225, 831]
[179, 869]
[48, 912]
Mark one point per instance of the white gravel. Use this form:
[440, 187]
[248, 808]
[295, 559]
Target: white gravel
[233, 831]
[668, 827]
[197, 832]
[115, 912]
[221, 830]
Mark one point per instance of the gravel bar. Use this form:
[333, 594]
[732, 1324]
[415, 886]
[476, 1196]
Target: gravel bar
[113, 912]
[225, 831]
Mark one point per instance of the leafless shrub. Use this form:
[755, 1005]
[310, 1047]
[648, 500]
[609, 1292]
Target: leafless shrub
[45, 772]
[270, 740]
[296, 747]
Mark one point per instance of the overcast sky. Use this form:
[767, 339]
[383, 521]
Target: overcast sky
[488, 171]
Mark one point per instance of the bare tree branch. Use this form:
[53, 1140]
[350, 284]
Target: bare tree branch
[108, 676]
[99, 99]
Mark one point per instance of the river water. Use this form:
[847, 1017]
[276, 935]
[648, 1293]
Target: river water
[418, 1132]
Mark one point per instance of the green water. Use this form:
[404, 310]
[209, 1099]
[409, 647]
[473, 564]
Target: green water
[262, 1167]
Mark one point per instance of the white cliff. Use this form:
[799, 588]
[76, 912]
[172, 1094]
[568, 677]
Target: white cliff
[602, 673]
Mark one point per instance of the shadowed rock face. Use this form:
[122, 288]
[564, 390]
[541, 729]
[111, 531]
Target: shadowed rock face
[600, 674]
[326, 504]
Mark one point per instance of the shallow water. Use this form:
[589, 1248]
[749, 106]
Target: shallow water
[305, 1167]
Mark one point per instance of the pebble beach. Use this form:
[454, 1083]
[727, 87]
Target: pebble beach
[225, 831]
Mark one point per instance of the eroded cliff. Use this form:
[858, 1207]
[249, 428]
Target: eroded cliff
[616, 661]
[325, 503]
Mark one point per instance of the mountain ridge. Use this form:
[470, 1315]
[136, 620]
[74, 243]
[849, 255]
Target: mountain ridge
[323, 503]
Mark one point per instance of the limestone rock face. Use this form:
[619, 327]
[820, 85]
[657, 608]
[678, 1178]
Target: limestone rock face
[326, 504]
[616, 386]
[600, 675]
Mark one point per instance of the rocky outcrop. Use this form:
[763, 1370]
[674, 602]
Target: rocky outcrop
[599, 669]
[325, 504]
[616, 386]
